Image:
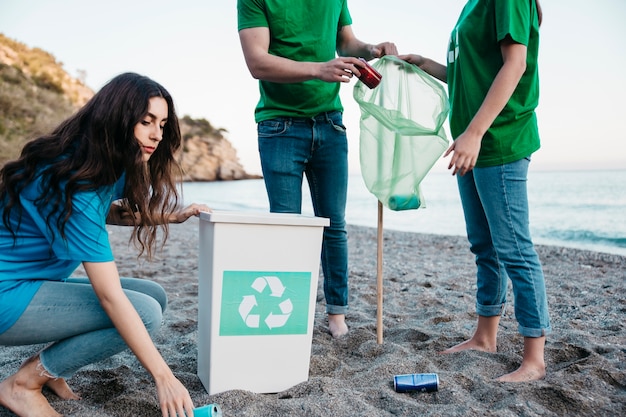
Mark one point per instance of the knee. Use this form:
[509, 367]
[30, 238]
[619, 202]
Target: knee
[150, 312]
[336, 231]
[147, 287]
[160, 296]
[154, 318]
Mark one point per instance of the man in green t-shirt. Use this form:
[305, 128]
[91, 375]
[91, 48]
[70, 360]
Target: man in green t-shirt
[291, 48]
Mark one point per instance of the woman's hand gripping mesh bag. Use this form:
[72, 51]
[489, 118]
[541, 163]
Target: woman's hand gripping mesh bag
[402, 133]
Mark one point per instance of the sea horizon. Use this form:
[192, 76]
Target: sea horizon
[577, 209]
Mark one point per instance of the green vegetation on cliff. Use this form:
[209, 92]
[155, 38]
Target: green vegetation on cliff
[36, 94]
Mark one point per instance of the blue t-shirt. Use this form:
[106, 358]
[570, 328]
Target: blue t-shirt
[40, 253]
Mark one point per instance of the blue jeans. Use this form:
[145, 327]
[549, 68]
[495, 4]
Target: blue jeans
[70, 315]
[317, 147]
[495, 205]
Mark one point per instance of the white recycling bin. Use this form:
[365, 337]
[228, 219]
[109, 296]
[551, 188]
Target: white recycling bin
[257, 291]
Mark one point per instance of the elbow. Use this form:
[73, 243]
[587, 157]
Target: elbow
[342, 47]
[255, 69]
[518, 63]
[516, 68]
[521, 70]
[342, 51]
[256, 73]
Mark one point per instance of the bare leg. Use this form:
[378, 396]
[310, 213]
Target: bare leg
[533, 366]
[337, 325]
[21, 392]
[484, 338]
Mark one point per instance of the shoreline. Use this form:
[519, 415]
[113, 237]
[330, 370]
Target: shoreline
[588, 212]
[429, 284]
[591, 247]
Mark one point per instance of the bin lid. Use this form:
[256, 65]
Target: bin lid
[285, 219]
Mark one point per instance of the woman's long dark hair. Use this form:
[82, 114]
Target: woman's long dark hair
[93, 148]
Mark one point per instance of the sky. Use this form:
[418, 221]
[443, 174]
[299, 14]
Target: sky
[192, 48]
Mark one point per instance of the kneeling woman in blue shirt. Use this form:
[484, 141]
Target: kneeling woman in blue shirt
[110, 163]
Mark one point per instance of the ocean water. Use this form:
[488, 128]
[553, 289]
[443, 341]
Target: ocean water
[585, 210]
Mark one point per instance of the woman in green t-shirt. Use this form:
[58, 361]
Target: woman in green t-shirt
[493, 86]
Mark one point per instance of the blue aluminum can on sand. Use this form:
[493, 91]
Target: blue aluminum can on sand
[210, 410]
[416, 382]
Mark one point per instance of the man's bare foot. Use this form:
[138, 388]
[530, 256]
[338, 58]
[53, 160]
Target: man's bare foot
[337, 325]
[21, 392]
[472, 344]
[525, 373]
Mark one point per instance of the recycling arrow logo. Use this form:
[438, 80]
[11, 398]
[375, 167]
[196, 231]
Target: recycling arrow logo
[266, 303]
[249, 302]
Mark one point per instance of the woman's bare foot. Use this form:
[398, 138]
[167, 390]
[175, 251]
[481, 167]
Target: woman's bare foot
[472, 344]
[524, 374]
[533, 365]
[61, 389]
[337, 325]
[56, 385]
[484, 338]
[21, 392]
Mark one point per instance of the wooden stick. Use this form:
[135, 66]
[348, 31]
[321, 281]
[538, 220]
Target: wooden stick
[379, 277]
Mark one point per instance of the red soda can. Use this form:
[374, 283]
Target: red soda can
[369, 76]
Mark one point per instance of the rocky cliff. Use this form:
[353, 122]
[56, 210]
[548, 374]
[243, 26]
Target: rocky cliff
[206, 155]
[36, 94]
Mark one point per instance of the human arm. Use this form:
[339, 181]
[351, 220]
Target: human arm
[119, 216]
[181, 216]
[466, 147]
[433, 68]
[174, 398]
[349, 45]
[267, 67]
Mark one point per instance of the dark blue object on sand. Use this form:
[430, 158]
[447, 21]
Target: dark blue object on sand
[416, 382]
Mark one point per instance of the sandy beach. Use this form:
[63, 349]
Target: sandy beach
[429, 301]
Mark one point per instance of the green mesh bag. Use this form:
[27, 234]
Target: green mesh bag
[402, 133]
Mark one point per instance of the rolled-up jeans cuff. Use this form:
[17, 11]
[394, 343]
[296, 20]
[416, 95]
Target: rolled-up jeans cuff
[331, 309]
[44, 369]
[490, 311]
[528, 332]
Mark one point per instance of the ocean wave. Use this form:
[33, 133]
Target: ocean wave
[586, 236]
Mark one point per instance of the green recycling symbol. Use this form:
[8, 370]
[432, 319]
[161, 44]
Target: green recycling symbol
[249, 302]
[264, 303]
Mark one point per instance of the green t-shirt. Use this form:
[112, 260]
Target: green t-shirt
[474, 59]
[301, 31]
